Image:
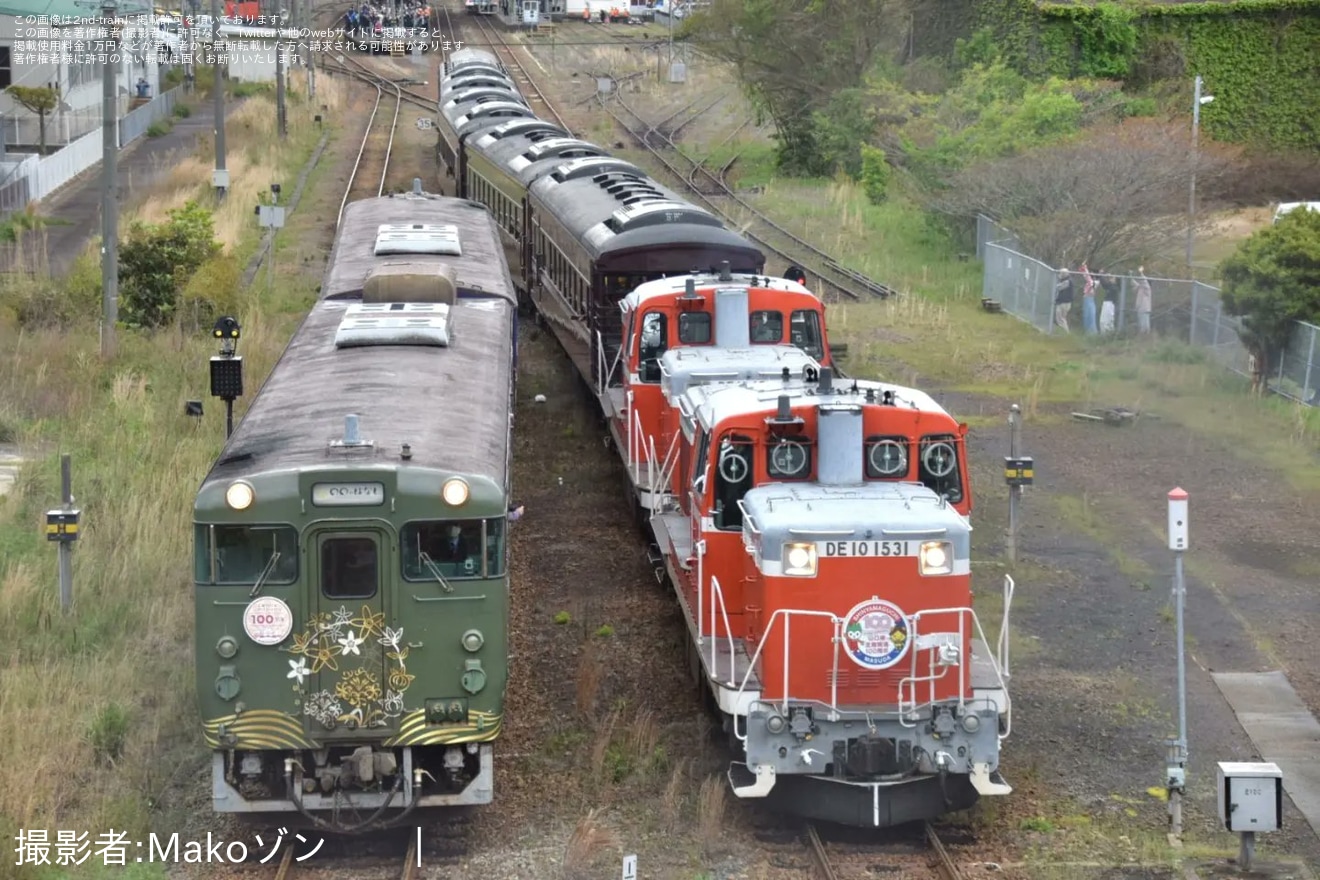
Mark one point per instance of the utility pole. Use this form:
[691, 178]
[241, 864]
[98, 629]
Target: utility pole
[1197, 100]
[280, 116]
[1176, 772]
[109, 183]
[220, 177]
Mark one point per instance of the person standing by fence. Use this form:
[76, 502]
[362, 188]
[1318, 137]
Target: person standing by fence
[1063, 298]
[1143, 301]
[1088, 301]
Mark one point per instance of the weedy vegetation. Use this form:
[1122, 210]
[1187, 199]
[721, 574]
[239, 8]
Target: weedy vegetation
[96, 705]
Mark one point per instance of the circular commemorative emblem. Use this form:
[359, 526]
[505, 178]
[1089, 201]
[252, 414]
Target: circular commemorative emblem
[268, 620]
[875, 634]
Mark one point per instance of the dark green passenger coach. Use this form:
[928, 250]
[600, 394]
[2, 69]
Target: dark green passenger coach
[351, 540]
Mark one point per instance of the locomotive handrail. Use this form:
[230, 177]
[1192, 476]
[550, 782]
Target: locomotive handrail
[748, 519]
[666, 472]
[1010, 586]
[787, 615]
[605, 369]
[911, 681]
[717, 593]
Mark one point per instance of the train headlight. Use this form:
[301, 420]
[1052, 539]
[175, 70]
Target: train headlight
[473, 640]
[227, 647]
[936, 558]
[239, 495]
[455, 492]
[800, 560]
[971, 723]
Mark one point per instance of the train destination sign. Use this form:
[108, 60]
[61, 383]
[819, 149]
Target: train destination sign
[348, 494]
[833, 549]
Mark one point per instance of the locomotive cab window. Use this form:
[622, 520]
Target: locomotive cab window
[804, 332]
[788, 459]
[694, 328]
[887, 458]
[699, 466]
[240, 554]
[938, 465]
[653, 344]
[350, 567]
[453, 549]
[733, 479]
[767, 327]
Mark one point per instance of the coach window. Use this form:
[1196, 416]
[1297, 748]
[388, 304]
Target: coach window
[654, 343]
[767, 327]
[453, 549]
[938, 466]
[240, 554]
[350, 567]
[733, 477]
[804, 332]
[694, 328]
[887, 458]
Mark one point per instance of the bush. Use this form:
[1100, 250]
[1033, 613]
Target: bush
[158, 261]
[875, 174]
[159, 128]
[183, 111]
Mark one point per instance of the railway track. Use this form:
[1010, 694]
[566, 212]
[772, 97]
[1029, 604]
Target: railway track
[829, 866]
[384, 868]
[377, 139]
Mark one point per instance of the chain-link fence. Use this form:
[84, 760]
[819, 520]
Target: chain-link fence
[1180, 309]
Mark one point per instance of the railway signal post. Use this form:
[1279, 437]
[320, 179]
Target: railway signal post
[227, 369]
[1176, 775]
[62, 528]
[1019, 472]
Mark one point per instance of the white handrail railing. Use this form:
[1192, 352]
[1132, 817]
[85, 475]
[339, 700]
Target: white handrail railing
[787, 614]
[717, 593]
[907, 709]
[660, 481]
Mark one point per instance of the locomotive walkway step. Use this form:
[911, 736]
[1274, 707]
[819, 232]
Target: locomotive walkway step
[1283, 730]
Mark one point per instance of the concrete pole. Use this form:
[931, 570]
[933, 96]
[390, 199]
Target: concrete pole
[218, 95]
[109, 186]
[1191, 194]
[1014, 492]
[280, 108]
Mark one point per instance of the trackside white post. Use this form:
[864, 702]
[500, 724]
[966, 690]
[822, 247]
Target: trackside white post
[1176, 774]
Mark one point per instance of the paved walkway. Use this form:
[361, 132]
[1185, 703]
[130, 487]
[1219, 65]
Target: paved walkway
[1283, 731]
[78, 203]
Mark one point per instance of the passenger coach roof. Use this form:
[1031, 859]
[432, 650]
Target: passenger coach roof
[583, 204]
[481, 267]
[449, 404]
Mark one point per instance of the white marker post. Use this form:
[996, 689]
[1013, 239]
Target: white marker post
[630, 868]
[1177, 755]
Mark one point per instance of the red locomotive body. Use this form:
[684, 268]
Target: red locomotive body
[828, 565]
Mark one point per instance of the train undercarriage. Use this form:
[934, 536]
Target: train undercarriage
[349, 789]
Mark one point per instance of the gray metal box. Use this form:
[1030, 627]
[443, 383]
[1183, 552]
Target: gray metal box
[1250, 796]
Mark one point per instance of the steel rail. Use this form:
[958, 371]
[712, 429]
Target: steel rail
[944, 862]
[823, 866]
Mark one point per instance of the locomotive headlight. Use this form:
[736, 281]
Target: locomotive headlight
[800, 560]
[239, 495]
[473, 640]
[936, 558]
[455, 492]
[227, 647]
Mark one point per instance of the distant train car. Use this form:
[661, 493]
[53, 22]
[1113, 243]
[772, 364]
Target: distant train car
[597, 234]
[351, 559]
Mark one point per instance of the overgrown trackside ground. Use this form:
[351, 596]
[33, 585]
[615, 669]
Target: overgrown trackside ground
[96, 708]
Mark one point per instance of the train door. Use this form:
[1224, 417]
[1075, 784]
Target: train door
[343, 652]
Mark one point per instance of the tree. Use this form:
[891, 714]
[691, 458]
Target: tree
[158, 260]
[39, 100]
[1105, 196]
[1273, 280]
[794, 57]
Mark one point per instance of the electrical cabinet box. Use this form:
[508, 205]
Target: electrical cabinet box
[1250, 796]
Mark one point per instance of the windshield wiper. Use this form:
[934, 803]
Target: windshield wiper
[265, 573]
[435, 571]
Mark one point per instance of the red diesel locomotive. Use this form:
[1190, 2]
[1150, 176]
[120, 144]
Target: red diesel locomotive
[818, 541]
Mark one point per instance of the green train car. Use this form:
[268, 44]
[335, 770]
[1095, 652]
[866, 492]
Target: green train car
[351, 560]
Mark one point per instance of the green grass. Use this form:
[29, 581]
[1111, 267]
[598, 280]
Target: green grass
[97, 703]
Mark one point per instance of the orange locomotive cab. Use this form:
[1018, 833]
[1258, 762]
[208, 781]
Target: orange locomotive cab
[826, 581]
[671, 326]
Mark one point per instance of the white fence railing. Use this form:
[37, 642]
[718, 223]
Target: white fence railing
[36, 179]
